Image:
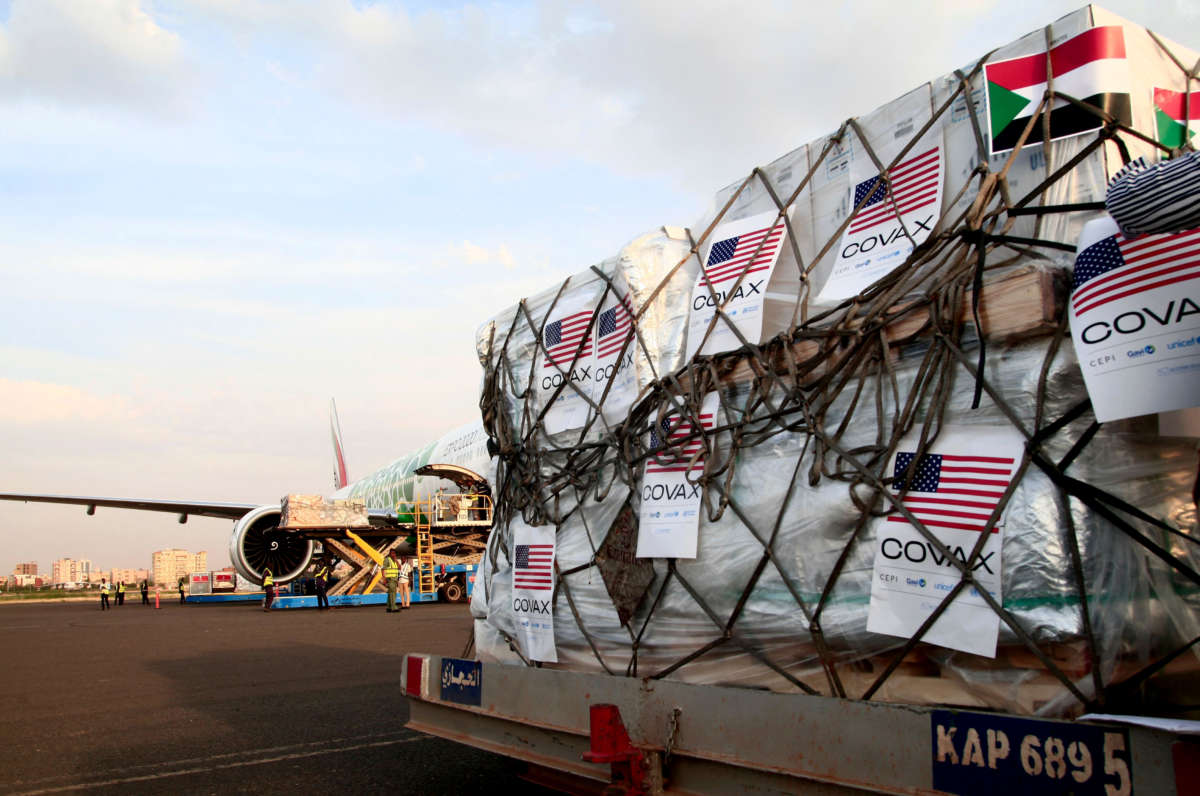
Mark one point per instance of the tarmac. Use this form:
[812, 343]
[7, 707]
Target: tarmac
[205, 699]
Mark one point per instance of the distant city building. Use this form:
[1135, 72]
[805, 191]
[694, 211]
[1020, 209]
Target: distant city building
[168, 566]
[23, 580]
[69, 570]
[62, 570]
[118, 575]
[29, 568]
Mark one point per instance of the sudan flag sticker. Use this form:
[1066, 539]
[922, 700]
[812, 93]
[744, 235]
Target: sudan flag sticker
[1090, 67]
[1169, 113]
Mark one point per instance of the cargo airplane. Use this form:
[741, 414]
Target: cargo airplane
[257, 542]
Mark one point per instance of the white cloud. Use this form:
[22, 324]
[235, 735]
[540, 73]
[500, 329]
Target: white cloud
[473, 254]
[696, 90]
[98, 52]
[505, 258]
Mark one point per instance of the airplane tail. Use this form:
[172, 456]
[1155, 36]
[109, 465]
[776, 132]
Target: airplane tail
[340, 477]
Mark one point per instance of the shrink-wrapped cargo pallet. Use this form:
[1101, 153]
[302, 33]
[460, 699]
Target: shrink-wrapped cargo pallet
[314, 511]
[835, 436]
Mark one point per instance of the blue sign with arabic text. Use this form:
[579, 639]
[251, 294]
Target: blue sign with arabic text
[462, 681]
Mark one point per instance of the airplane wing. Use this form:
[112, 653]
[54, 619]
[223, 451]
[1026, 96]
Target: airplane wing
[229, 511]
[380, 518]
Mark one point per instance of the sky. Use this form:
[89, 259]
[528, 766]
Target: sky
[216, 215]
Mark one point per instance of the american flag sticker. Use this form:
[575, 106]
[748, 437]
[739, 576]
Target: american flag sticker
[533, 567]
[946, 491]
[1117, 267]
[746, 253]
[670, 488]
[915, 185]
[674, 445]
[566, 337]
[613, 328]
[734, 279]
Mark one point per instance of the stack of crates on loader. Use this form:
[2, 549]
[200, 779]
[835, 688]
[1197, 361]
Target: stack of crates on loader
[844, 435]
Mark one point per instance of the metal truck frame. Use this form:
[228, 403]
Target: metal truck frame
[581, 732]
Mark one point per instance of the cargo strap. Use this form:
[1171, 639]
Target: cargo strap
[809, 382]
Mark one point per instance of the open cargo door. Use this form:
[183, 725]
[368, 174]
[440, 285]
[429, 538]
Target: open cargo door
[464, 479]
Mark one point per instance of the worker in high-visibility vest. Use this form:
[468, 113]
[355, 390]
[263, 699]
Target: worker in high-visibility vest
[321, 582]
[120, 592]
[103, 594]
[406, 570]
[391, 571]
[268, 589]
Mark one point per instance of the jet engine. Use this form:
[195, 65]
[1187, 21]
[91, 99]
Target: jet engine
[257, 543]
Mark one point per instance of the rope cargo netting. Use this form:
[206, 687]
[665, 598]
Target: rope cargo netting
[821, 408]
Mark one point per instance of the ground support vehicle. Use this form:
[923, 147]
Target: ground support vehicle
[451, 583]
[444, 534]
[652, 736]
[454, 583]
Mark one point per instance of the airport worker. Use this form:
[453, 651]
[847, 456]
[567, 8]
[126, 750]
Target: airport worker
[405, 573]
[322, 583]
[268, 589]
[483, 496]
[391, 572]
[120, 592]
[145, 593]
[103, 594]
[181, 591]
[439, 501]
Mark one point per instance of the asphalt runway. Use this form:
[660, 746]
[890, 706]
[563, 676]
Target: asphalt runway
[206, 699]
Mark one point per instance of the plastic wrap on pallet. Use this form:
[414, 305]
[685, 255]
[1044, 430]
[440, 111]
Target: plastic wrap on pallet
[314, 511]
[654, 272]
[1151, 473]
[706, 627]
[821, 208]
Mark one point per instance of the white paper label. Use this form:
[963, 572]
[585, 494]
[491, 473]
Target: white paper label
[737, 267]
[583, 357]
[952, 490]
[565, 362]
[669, 518]
[533, 590]
[1135, 320]
[615, 347]
[875, 242]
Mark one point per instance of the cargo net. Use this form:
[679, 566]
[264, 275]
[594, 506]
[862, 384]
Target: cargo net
[825, 406]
